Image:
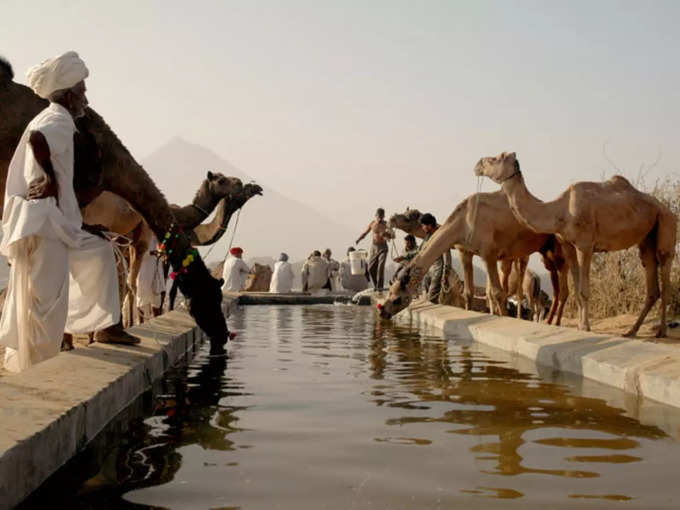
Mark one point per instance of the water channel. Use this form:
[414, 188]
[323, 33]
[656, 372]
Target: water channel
[327, 407]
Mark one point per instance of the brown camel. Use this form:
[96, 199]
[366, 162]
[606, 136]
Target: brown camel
[120, 217]
[102, 163]
[492, 207]
[595, 217]
[259, 278]
[478, 226]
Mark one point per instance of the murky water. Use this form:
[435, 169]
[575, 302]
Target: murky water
[324, 407]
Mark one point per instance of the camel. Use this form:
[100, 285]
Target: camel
[594, 217]
[493, 207]
[118, 216]
[102, 163]
[479, 225]
[259, 278]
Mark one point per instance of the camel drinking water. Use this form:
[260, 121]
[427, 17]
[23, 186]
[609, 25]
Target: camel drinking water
[479, 226]
[594, 217]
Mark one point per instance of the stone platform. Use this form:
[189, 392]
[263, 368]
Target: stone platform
[53, 410]
[644, 369]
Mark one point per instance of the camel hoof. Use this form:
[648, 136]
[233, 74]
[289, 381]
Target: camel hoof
[661, 333]
[630, 334]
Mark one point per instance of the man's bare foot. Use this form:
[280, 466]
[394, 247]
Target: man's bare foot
[67, 342]
[115, 335]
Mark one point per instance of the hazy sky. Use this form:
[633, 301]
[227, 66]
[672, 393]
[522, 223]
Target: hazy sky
[349, 105]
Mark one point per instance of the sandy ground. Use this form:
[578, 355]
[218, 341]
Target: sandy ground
[621, 323]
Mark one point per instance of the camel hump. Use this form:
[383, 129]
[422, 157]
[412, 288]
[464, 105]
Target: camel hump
[620, 180]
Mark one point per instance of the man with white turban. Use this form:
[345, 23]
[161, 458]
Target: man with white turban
[62, 278]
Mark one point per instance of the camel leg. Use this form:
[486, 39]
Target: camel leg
[521, 265]
[649, 263]
[555, 281]
[584, 257]
[665, 267]
[496, 291]
[468, 277]
[572, 264]
[563, 292]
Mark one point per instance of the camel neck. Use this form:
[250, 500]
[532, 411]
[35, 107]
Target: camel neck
[533, 213]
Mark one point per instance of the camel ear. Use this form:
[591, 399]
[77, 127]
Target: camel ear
[211, 175]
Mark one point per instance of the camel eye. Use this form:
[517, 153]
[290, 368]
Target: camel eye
[397, 301]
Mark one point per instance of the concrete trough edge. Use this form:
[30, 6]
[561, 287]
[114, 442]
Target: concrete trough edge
[64, 403]
[643, 368]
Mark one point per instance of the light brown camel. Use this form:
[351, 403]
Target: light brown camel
[259, 278]
[596, 217]
[496, 206]
[118, 216]
[102, 163]
[478, 226]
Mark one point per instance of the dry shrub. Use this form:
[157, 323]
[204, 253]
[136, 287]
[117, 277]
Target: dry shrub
[617, 279]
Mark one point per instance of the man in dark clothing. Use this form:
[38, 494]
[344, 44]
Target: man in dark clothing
[441, 267]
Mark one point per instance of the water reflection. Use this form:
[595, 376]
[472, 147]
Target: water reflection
[329, 395]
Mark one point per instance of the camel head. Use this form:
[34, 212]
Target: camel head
[498, 168]
[251, 189]
[398, 298]
[220, 186]
[408, 221]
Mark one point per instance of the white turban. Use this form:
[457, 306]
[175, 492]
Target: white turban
[57, 73]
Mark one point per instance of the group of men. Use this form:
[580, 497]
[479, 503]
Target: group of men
[63, 278]
[379, 251]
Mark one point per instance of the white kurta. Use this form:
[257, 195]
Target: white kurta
[235, 273]
[150, 280]
[42, 241]
[282, 279]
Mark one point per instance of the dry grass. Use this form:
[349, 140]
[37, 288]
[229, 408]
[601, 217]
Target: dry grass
[617, 280]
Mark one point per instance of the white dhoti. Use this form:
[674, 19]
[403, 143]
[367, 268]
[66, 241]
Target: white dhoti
[94, 302]
[45, 298]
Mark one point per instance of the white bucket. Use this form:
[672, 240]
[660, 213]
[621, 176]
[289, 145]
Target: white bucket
[357, 261]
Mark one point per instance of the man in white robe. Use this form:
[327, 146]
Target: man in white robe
[62, 278]
[235, 271]
[282, 280]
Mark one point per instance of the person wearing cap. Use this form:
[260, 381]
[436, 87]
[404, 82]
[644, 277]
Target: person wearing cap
[282, 279]
[379, 250]
[63, 278]
[349, 281]
[235, 271]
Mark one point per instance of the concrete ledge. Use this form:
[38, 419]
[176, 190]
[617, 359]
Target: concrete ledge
[644, 369]
[294, 298]
[53, 410]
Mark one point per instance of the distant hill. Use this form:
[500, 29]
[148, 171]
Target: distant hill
[267, 226]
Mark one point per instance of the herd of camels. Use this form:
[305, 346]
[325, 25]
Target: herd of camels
[506, 226]
[510, 224]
